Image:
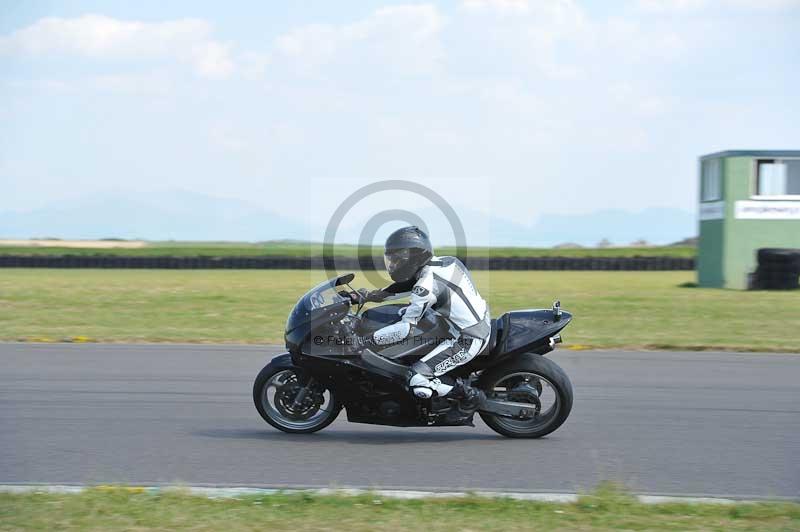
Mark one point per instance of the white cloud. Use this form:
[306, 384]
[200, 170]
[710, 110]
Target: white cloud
[518, 7]
[632, 40]
[155, 82]
[562, 41]
[253, 65]
[564, 102]
[503, 6]
[540, 27]
[146, 83]
[671, 5]
[52, 85]
[99, 36]
[533, 34]
[766, 4]
[401, 37]
[314, 43]
[638, 99]
[223, 137]
[212, 59]
[668, 6]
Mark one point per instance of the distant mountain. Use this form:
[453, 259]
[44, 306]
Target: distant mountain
[177, 215]
[480, 229]
[184, 215]
[656, 225]
[691, 241]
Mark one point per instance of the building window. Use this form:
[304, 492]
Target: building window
[778, 177]
[711, 180]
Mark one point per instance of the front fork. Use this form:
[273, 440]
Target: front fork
[301, 394]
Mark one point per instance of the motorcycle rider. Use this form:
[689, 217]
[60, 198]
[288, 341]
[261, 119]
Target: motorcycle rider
[441, 284]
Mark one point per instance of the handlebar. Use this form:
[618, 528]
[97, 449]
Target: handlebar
[356, 298]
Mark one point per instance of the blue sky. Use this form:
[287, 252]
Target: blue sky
[513, 108]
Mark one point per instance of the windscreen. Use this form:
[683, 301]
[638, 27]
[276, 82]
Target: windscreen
[321, 296]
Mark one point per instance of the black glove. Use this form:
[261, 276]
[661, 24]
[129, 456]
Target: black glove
[356, 298]
[375, 296]
[362, 295]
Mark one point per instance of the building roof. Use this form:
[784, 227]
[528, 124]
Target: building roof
[752, 153]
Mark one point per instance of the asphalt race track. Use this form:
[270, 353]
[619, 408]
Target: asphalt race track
[659, 422]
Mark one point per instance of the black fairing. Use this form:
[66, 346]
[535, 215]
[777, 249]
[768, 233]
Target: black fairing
[430, 329]
[522, 331]
[320, 314]
[323, 323]
[379, 317]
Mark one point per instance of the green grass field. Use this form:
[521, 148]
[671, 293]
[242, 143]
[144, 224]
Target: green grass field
[612, 309]
[236, 249]
[606, 509]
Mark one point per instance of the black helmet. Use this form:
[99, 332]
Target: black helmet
[407, 251]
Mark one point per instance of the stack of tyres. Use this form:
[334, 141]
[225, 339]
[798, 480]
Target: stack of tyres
[778, 269]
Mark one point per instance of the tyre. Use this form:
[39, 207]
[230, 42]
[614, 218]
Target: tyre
[533, 379]
[779, 256]
[275, 391]
[777, 279]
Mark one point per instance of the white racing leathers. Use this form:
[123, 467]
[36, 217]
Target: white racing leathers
[444, 286]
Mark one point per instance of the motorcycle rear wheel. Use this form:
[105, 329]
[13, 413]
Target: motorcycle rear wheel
[531, 373]
[273, 391]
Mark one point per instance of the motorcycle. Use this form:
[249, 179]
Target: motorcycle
[326, 370]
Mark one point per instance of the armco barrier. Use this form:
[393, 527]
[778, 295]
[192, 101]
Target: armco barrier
[342, 263]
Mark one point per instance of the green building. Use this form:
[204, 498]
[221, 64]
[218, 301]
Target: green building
[748, 200]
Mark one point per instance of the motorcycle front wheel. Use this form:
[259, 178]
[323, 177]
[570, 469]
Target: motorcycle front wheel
[531, 379]
[290, 401]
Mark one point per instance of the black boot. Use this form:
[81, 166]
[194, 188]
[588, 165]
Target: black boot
[469, 397]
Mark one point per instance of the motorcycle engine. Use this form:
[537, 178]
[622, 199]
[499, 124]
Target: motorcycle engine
[389, 409]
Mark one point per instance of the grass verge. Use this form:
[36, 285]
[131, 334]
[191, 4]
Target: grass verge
[612, 309]
[605, 509]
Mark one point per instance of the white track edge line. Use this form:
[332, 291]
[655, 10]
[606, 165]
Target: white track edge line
[212, 492]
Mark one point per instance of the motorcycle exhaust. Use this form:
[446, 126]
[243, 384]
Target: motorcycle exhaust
[555, 340]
